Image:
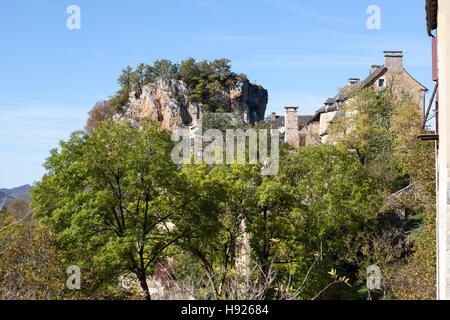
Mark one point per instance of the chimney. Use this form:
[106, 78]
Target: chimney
[291, 134]
[273, 116]
[393, 61]
[352, 81]
[374, 67]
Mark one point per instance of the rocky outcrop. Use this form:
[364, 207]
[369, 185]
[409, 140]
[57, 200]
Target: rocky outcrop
[167, 102]
[248, 100]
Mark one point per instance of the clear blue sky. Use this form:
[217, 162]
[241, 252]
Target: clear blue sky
[301, 51]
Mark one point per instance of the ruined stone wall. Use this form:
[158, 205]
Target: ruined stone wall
[311, 133]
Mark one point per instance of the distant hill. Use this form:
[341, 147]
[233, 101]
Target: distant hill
[5, 200]
[8, 195]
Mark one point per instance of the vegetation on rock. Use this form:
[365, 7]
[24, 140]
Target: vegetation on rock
[205, 79]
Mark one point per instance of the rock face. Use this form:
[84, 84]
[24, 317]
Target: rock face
[248, 100]
[167, 102]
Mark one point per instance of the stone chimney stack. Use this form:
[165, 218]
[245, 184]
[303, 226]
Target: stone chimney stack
[291, 134]
[352, 81]
[273, 116]
[393, 61]
[374, 67]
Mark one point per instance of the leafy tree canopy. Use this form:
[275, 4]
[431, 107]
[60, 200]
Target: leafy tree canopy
[114, 195]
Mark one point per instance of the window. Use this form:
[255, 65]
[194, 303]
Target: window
[302, 140]
[380, 82]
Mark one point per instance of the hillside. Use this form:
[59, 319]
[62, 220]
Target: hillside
[8, 195]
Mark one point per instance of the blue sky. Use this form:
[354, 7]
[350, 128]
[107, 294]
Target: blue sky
[301, 51]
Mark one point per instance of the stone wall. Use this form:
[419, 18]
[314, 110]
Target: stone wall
[403, 83]
[311, 133]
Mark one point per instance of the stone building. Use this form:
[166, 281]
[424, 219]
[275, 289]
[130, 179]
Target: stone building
[391, 73]
[294, 129]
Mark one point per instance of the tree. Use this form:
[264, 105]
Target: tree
[30, 267]
[20, 210]
[417, 278]
[320, 197]
[380, 130]
[365, 130]
[222, 72]
[296, 223]
[165, 67]
[100, 112]
[207, 81]
[190, 71]
[228, 203]
[120, 99]
[114, 196]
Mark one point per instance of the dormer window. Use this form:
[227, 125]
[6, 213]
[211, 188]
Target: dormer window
[380, 82]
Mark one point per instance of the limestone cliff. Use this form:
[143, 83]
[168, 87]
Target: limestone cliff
[166, 101]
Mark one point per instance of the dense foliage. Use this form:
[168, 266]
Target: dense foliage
[30, 267]
[119, 207]
[123, 189]
[383, 137]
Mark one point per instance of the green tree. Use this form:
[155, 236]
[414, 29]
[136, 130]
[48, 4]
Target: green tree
[228, 202]
[207, 80]
[365, 130]
[165, 67]
[320, 197]
[190, 72]
[380, 130]
[115, 196]
[120, 99]
[417, 278]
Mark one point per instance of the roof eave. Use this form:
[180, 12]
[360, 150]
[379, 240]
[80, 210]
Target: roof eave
[431, 8]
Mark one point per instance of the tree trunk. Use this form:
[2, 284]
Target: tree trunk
[242, 262]
[144, 286]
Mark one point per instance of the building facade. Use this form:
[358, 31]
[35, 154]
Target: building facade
[391, 73]
[313, 129]
[438, 18]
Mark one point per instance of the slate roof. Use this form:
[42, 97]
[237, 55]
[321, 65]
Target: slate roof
[303, 120]
[277, 123]
[373, 76]
[332, 103]
[316, 116]
[337, 115]
[329, 101]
